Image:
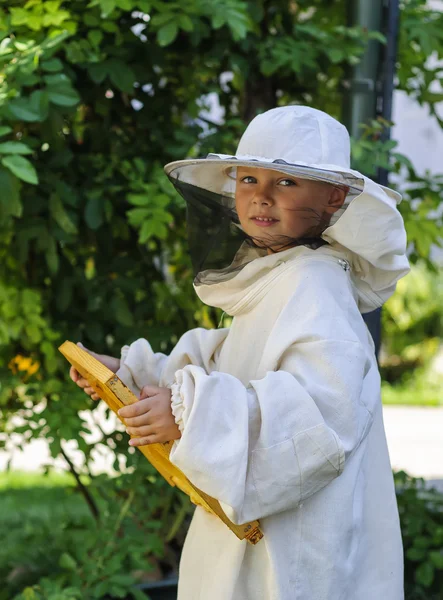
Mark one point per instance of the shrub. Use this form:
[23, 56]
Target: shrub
[421, 518]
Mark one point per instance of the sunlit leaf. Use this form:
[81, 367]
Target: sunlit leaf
[21, 167]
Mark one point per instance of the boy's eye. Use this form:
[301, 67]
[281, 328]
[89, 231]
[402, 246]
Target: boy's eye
[248, 179]
[286, 182]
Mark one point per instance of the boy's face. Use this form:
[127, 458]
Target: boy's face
[297, 207]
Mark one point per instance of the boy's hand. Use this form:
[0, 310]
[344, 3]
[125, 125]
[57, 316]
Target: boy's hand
[151, 419]
[109, 361]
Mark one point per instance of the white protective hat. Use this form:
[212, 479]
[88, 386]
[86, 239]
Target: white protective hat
[307, 143]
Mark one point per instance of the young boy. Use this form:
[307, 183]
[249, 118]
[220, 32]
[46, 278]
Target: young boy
[279, 416]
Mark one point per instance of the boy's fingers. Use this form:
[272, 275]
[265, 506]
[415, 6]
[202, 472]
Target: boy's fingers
[144, 441]
[74, 374]
[135, 421]
[80, 345]
[149, 390]
[82, 382]
[135, 410]
[139, 432]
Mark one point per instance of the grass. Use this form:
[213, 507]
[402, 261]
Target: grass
[36, 497]
[37, 513]
[415, 392]
[24, 479]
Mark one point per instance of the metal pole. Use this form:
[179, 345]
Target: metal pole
[371, 88]
[392, 20]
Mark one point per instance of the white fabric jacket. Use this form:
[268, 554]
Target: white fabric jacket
[281, 421]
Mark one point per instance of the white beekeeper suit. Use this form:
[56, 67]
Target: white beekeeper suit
[280, 414]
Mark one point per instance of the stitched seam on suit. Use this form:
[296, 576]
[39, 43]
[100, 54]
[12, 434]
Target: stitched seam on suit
[296, 457]
[314, 442]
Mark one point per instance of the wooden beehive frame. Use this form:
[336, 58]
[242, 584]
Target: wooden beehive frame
[116, 395]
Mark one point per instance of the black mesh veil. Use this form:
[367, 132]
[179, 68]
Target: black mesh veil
[218, 244]
[213, 227]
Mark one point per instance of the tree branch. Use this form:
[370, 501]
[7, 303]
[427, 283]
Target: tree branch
[83, 489]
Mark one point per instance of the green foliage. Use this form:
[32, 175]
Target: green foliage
[421, 388]
[413, 326]
[421, 193]
[94, 98]
[421, 518]
[54, 548]
[64, 564]
[420, 53]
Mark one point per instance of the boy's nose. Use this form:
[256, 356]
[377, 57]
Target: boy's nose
[263, 198]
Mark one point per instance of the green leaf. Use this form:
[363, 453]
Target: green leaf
[31, 109]
[137, 594]
[63, 296]
[152, 228]
[52, 66]
[98, 72]
[21, 167]
[403, 160]
[138, 199]
[218, 20]
[51, 255]
[67, 562]
[91, 20]
[27, 79]
[186, 23]
[122, 76]
[22, 109]
[52, 42]
[416, 554]
[63, 95]
[33, 332]
[95, 36]
[14, 148]
[29, 594]
[121, 312]
[123, 580]
[137, 216]
[145, 5]
[125, 4]
[57, 79]
[10, 195]
[40, 104]
[34, 21]
[238, 22]
[161, 18]
[167, 34]
[4, 130]
[425, 574]
[56, 19]
[60, 216]
[109, 27]
[90, 270]
[335, 55]
[94, 212]
[107, 6]
[377, 35]
[101, 589]
[437, 559]
[19, 16]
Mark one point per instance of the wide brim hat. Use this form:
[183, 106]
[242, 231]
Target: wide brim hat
[216, 172]
[301, 142]
[297, 140]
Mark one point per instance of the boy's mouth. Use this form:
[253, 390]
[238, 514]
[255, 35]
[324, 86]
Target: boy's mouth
[264, 221]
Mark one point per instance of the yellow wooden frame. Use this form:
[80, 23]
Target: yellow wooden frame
[116, 395]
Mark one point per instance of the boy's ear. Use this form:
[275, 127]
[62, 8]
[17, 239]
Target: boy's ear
[337, 197]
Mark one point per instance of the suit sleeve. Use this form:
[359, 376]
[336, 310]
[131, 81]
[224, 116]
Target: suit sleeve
[140, 365]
